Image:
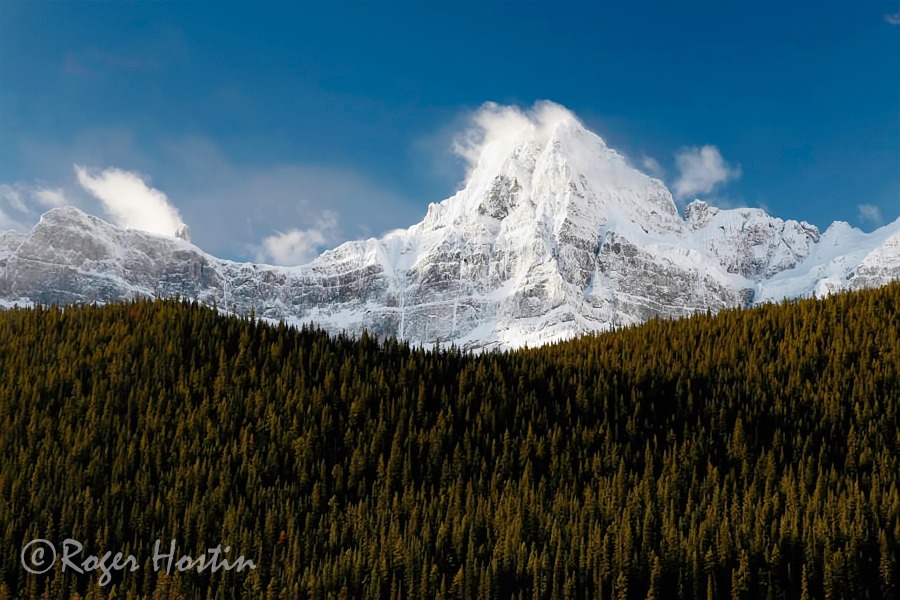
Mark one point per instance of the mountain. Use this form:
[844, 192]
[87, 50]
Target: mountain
[554, 235]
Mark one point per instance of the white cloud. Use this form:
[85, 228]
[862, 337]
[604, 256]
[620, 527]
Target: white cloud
[50, 197]
[231, 206]
[652, 166]
[870, 214]
[701, 170]
[130, 201]
[893, 19]
[22, 197]
[12, 196]
[26, 202]
[290, 248]
[298, 246]
[495, 131]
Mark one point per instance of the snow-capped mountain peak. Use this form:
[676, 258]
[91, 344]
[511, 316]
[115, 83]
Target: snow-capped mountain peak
[554, 167]
[552, 235]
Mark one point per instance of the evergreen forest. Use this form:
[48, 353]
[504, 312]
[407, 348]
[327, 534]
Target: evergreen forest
[750, 454]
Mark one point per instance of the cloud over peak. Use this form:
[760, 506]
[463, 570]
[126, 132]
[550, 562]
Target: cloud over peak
[130, 202]
[701, 170]
[494, 131]
[652, 167]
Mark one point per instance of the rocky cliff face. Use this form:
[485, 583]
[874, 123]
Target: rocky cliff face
[555, 238]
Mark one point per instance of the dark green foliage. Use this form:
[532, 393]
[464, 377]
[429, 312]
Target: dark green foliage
[751, 454]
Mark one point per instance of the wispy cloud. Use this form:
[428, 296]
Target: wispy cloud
[652, 166]
[50, 197]
[869, 213]
[144, 54]
[11, 195]
[91, 64]
[10, 201]
[701, 170]
[130, 201]
[893, 18]
[298, 246]
[231, 207]
[496, 130]
[234, 208]
[124, 62]
[74, 67]
[27, 202]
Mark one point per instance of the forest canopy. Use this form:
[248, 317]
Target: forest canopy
[748, 454]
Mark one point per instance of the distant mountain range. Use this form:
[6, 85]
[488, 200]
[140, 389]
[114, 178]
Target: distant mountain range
[554, 238]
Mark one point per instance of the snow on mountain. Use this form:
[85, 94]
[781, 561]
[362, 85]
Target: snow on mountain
[9, 242]
[844, 258]
[553, 235]
[748, 241]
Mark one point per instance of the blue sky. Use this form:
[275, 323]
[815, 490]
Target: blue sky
[335, 121]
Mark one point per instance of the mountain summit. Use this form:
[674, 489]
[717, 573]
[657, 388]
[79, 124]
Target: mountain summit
[553, 235]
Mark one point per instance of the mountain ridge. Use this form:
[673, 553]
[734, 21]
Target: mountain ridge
[554, 235]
